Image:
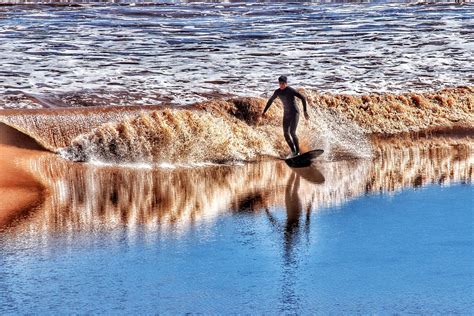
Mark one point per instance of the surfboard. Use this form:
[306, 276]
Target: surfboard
[303, 160]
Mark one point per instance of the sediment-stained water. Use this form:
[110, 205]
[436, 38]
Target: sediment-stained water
[230, 130]
[388, 234]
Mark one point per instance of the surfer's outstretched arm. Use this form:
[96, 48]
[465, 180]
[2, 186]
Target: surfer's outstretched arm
[270, 101]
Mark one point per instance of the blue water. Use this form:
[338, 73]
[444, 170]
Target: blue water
[409, 252]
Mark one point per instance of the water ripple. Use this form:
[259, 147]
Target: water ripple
[182, 51]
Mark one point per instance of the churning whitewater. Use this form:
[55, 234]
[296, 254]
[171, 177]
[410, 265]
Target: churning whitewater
[182, 52]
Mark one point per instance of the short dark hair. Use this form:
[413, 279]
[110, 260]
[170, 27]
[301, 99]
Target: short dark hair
[282, 79]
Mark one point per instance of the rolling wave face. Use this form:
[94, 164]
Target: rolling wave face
[233, 130]
[214, 132]
[229, 130]
[172, 136]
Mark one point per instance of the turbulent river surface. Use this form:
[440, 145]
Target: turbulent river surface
[183, 52]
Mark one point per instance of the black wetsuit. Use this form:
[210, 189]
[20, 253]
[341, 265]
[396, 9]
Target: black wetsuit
[291, 114]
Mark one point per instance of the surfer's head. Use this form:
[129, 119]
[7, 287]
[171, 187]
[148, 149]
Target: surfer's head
[283, 82]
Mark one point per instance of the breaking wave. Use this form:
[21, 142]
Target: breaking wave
[225, 130]
[173, 136]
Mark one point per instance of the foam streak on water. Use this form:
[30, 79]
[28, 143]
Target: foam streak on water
[186, 52]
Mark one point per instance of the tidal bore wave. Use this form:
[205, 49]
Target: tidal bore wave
[224, 130]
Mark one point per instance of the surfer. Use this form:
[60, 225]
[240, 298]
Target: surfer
[291, 113]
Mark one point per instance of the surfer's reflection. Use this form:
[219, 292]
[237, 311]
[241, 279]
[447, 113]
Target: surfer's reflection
[294, 208]
[293, 213]
[293, 230]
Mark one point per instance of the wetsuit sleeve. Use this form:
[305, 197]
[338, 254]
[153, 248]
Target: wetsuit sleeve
[270, 101]
[303, 99]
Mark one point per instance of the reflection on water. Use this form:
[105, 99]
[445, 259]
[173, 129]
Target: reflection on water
[89, 197]
[291, 235]
[261, 227]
